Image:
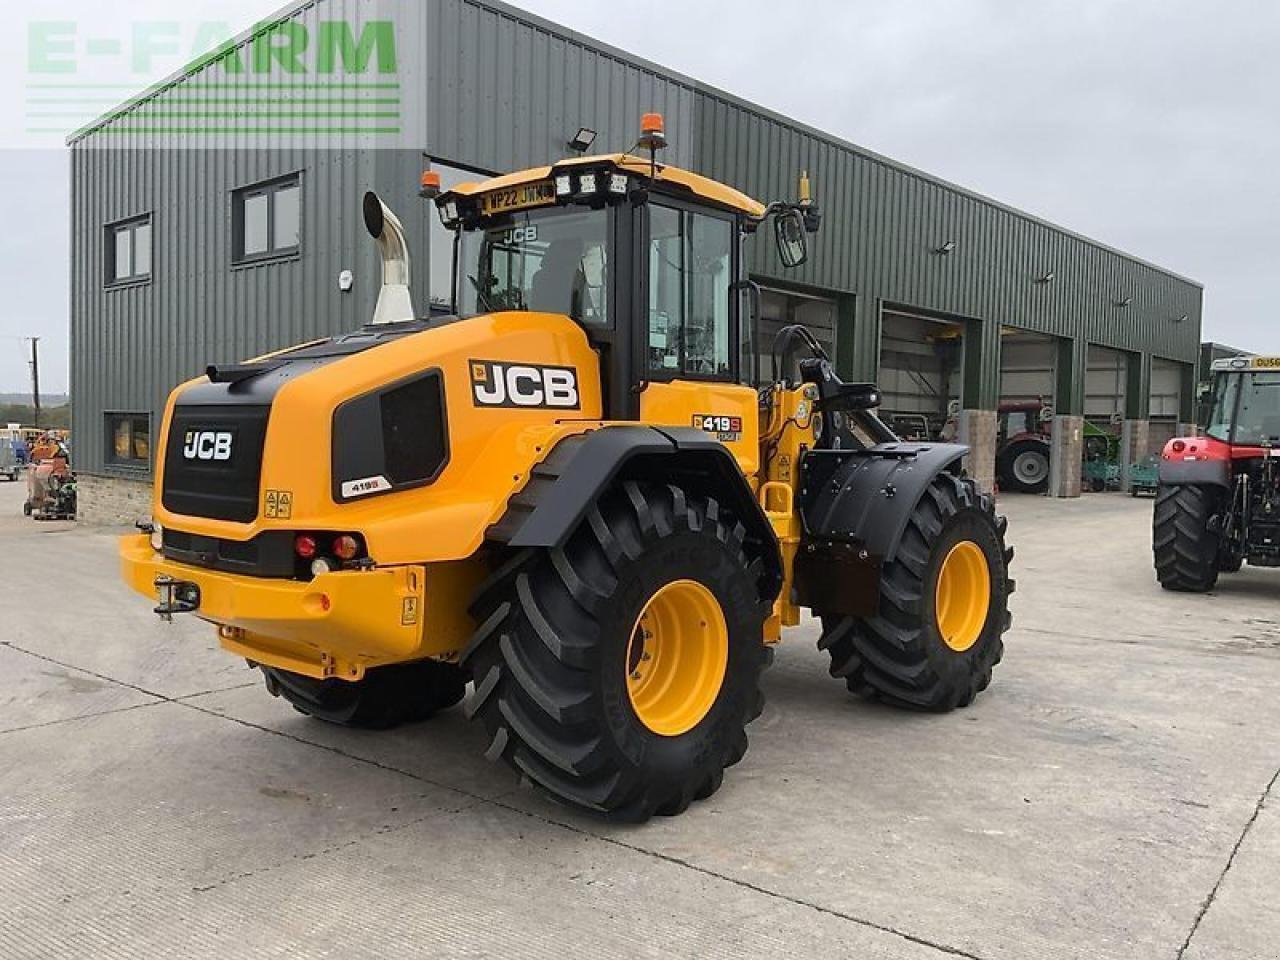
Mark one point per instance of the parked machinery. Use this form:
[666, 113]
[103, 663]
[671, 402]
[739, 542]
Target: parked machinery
[13, 457]
[51, 486]
[572, 494]
[1218, 501]
[1022, 446]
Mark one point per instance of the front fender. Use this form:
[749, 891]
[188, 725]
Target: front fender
[1181, 473]
[867, 496]
[580, 469]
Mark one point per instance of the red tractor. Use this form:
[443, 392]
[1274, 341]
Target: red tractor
[1218, 502]
[1022, 446]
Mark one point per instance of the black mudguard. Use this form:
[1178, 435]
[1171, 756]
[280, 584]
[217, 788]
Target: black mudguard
[855, 505]
[1179, 473]
[582, 468]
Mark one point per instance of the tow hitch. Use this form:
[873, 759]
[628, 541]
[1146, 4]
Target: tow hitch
[175, 596]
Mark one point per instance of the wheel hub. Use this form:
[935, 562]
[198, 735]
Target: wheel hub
[1030, 468]
[677, 657]
[963, 595]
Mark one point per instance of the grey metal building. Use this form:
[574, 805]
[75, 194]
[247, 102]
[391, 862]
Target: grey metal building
[216, 217]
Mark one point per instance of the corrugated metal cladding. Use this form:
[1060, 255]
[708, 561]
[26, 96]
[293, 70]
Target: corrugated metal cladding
[488, 86]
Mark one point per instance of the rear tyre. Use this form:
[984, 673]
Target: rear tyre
[944, 607]
[618, 673]
[385, 697]
[1023, 466]
[1185, 549]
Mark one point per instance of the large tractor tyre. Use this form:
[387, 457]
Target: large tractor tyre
[1228, 563]
[1023, 467]
[618, 673]
[385, 697]
[1186, 551]
[944, 607]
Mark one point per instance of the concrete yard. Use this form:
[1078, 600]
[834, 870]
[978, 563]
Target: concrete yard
[1113, 795]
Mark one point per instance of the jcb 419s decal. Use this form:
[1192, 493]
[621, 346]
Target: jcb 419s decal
[502, 384]
[726, 428]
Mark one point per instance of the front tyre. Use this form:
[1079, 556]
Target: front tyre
[944, 607]
[385, 697]
[618, 673]
[1185, 550]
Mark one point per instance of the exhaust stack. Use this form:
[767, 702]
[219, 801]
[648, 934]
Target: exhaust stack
[395, 303]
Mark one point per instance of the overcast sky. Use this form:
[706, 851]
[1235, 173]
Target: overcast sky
[1151, 125]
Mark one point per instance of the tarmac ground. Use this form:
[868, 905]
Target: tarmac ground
[1112, 795]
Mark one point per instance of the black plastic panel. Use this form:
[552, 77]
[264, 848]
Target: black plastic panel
[217, 489]
[398, 433]
[269, 554]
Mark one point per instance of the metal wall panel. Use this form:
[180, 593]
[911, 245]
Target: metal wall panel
[492, 87]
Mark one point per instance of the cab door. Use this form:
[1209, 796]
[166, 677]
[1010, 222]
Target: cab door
[690, 361]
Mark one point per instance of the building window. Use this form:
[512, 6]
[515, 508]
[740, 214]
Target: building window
[267, 219]
[440, 240]
[129, 439]
[129, 251]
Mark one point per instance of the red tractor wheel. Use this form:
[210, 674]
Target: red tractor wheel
[1186, 550]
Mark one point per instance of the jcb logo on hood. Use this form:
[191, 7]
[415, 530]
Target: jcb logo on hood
[523, 385]
[207, 445]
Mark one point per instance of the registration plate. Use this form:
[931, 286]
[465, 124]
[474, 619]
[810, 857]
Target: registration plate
[518, 198]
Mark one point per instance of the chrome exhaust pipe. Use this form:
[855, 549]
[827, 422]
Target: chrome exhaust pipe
[395, 302]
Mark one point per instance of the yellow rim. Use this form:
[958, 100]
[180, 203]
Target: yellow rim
[963, 596]
[676, 657]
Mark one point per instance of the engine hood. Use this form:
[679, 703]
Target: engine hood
[309, 432]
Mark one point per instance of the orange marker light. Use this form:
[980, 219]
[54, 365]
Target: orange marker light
[652, 135]
[430, 187]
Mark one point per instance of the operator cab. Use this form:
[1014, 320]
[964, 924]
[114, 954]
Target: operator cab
[1245, 402]
[646, 257]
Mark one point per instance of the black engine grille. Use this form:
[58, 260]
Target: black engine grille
[198, 484]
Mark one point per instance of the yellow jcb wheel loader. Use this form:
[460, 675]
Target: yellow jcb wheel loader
[573, 493]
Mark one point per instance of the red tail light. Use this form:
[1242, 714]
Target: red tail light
[305, 546]
[346, 547]
[1178, 446]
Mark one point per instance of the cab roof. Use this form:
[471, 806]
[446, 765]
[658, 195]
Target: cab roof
[1246, 363]
[702, 187]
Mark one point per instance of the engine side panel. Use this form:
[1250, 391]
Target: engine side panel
[504, 412]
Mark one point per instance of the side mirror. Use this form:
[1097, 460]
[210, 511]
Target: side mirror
[789, 230]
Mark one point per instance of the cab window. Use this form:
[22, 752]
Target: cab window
[690, 272]
[548, 260]
[1226, 395]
